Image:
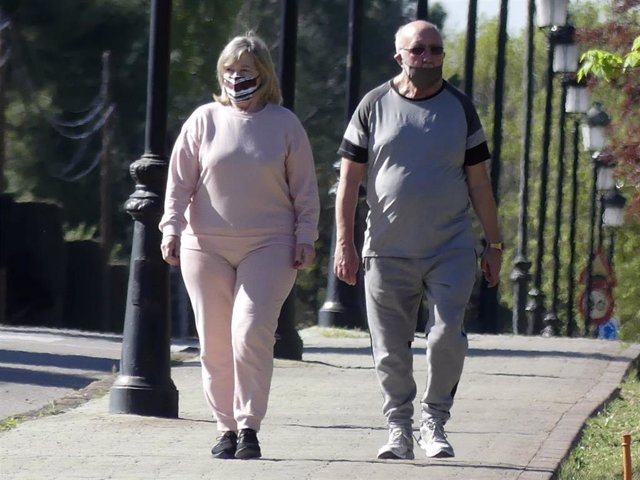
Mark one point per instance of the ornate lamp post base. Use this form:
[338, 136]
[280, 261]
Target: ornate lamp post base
[535, 310]
[335, 314]
[520, 278]
[552, 325]
[288, 342]
[134, 396]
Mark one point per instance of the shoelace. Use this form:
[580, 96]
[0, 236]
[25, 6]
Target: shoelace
[397, 433]
[437, 430]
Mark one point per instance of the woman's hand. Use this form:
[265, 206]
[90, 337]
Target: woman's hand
[170, 248]
[304, 256]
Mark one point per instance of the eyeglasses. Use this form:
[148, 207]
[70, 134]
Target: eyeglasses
[420, 50]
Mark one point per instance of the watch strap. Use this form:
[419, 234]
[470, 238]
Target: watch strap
[496, 246]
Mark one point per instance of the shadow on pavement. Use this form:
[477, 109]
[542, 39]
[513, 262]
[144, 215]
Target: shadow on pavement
[79, 362]
[43, 379]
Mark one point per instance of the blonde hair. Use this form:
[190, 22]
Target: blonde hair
[269, 91]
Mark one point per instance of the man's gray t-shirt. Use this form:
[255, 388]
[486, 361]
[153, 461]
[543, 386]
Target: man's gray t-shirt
[417, 150]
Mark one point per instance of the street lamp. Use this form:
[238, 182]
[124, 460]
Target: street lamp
[594, 129]
[288, 343]
[422, 10]
[344, 305]
[470, 47]
[613, 202]
[605, 183]
[565, 60]
[488, 317]
[606, 169]
[577, 103]
[552, 14]
[565, 51]
[520, 274]
[577, 97]
[594, 138]
[144, 385]
[612, 216]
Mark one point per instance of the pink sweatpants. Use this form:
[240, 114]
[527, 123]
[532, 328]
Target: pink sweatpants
[237, 293]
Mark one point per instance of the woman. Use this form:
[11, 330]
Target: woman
[241, 216]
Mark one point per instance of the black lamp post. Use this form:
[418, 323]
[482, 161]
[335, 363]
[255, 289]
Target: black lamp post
[577, 103]
[604, 184]
[565, 60]
[422, 10]
[551, 14]
[470, 47]
[288, 342]
[344, 306]
[520, 273]
[488, 317]
[144, 385]
[594, 139]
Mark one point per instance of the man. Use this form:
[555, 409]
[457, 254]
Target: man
[426, 151]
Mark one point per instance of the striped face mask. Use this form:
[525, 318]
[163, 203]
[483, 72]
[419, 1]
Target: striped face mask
[239, 88]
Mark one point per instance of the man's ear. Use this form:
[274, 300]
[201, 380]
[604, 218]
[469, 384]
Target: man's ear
[398, 58]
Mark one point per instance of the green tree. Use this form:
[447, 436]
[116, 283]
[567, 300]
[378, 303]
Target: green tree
[611, 61]
[55, 70]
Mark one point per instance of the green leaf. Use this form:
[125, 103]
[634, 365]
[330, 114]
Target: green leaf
[602, 64]
[631, 60]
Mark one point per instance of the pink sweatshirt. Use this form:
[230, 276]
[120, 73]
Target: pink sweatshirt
[237, 174]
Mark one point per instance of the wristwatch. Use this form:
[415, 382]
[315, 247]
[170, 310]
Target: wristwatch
[496, 246]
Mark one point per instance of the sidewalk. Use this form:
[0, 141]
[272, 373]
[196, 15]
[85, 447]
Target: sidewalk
[520, 404]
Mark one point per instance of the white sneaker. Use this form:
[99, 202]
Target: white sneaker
[399, 446]
[434, 441]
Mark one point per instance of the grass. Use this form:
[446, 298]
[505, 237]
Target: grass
[10, 423]
[598, 455]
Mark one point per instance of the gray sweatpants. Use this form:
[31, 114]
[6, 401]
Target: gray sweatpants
[394, 288]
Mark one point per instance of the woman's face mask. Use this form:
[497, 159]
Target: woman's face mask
[240, 87]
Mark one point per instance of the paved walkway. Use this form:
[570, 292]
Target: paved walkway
[520, 405]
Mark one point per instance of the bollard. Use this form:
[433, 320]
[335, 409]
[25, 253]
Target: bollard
[626, 456]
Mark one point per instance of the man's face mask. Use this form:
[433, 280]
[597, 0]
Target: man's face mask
[238, 87]
[424, 77]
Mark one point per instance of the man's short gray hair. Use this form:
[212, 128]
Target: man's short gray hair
[400, 31]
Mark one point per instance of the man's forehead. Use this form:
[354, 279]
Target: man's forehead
[428, 36]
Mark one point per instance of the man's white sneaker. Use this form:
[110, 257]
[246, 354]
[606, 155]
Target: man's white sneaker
[399, 446]
[434, 441]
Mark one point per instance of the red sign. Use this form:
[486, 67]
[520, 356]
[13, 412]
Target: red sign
[601, 301]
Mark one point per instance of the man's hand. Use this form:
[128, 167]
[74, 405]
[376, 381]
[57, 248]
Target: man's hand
[170, 249]
[346, 263]
[304, 256]
[490, 264]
